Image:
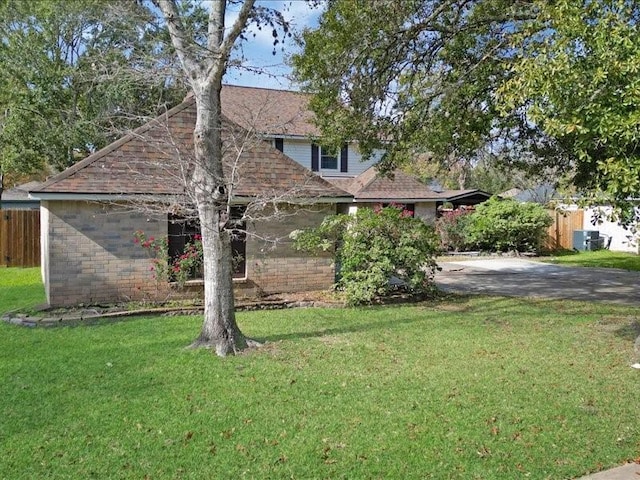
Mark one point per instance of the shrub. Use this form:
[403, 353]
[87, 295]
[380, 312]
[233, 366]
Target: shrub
[165, 269]
[378, 252]
[507, 225]
[451, 227]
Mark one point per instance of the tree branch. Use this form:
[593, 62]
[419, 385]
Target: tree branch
[178, 36]
[236, 29]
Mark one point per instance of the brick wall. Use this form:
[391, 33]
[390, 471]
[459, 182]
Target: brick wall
[91, 256]
[273, 266]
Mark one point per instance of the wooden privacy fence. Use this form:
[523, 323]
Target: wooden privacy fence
[560, 233]
[19, 238]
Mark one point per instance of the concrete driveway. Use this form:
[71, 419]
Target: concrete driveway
[526, 278]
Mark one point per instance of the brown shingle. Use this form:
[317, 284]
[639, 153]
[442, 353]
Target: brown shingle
[371, 185]
[148, 161]
[273, 112]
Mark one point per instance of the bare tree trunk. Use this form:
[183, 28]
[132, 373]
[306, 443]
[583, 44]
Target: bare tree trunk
[204, 66]
[219, 329]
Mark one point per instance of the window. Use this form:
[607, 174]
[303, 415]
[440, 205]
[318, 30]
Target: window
[183, 231]
[328, 161]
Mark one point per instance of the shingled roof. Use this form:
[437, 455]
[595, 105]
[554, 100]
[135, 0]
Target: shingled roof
[270, 112]
[398, 186]
[151, 161]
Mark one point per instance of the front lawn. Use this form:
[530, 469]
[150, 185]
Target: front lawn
[20, 288]
[598, 258]
[467, 388]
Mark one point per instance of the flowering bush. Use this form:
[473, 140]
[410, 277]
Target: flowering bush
[158, 251]
[189, 264]
[378, 251]
[165, 269]
[451, 227]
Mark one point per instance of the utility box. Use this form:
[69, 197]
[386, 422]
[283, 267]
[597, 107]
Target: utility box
[586, 240]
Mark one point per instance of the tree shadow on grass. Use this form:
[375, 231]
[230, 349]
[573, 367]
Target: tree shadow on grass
[353, 327]
[425, 312]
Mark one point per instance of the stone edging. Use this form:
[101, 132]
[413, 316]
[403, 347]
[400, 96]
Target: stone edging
[90, 316]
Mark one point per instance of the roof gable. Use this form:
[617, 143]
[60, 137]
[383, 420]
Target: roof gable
[154, 160]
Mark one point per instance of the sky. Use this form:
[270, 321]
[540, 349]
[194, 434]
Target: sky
[258, 50]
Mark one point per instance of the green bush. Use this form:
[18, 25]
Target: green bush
[372, 248]
[451, 227]
[507, 225]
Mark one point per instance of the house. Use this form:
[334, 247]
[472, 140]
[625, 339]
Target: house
[542, 194]
[19, 227]
[285, 120]
[570, 217]
[17, 198]
[90, 212]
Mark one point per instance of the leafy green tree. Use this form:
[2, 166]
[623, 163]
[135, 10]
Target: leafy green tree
[577, 77]
[411, 77]
[374, 247]
[544, 86]
[67, 85]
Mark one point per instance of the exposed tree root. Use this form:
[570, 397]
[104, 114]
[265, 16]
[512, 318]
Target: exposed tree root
[223, 349]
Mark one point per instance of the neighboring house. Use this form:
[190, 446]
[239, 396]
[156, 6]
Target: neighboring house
[89, 212]
[569, 217]
[19, 227]
[17, 198]
[543, 194]
[613, 235]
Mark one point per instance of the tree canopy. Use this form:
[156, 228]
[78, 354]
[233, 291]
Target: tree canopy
[68, 80]
[538, 84]
[577, 77]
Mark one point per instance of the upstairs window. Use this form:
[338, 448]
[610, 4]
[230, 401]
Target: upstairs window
[328, 160]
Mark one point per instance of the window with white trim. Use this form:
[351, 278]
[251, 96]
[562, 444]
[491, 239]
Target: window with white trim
[328, 160]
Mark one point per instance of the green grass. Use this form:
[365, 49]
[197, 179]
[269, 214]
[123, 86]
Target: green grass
[20, 288]
[466, 388]
[598, 258]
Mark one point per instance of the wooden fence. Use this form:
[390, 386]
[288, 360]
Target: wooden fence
[560, 233]
[19, 238]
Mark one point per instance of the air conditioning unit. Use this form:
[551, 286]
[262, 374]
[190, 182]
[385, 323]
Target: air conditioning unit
[584, 240]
